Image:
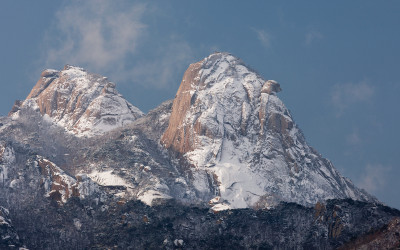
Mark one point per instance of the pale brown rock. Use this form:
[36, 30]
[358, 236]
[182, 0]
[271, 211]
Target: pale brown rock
[46, 78]
[178, 136]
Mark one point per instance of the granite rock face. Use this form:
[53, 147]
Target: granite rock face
[85, 104]
[241, 143]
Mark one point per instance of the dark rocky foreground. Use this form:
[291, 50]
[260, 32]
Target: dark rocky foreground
[134, 225]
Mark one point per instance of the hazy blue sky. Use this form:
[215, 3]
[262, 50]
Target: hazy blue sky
[337, 62]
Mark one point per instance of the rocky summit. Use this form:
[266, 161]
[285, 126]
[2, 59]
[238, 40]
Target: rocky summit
[84, 104]
[223, 165]
[241, 143]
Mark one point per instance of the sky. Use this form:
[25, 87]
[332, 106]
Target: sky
[338, 63]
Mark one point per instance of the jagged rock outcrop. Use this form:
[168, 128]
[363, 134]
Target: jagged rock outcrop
[83, 103]
[58, 185]
[241, 142]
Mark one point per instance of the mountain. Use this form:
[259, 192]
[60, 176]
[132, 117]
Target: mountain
[84, 104]
[238, 138]
[222, 165]
[229, 139]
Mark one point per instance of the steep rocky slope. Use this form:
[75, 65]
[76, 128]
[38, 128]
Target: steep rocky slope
[240, 141]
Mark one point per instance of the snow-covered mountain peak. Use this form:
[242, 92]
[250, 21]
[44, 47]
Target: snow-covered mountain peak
[217, 95]
[241, 142]
[221, 65]
[85, 104]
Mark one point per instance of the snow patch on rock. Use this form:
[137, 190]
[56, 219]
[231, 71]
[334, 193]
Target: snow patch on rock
[108, 178]
[7, 159]
[149, 196]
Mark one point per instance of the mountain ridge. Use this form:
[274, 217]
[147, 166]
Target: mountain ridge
[223, 159]
[228, 138]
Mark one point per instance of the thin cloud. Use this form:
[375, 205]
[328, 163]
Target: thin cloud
[263, 37]
[109, 38]
[374, 178]
[312, 36]
[354, 138]
[96, 33]
[172, 58]
[345, 95]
